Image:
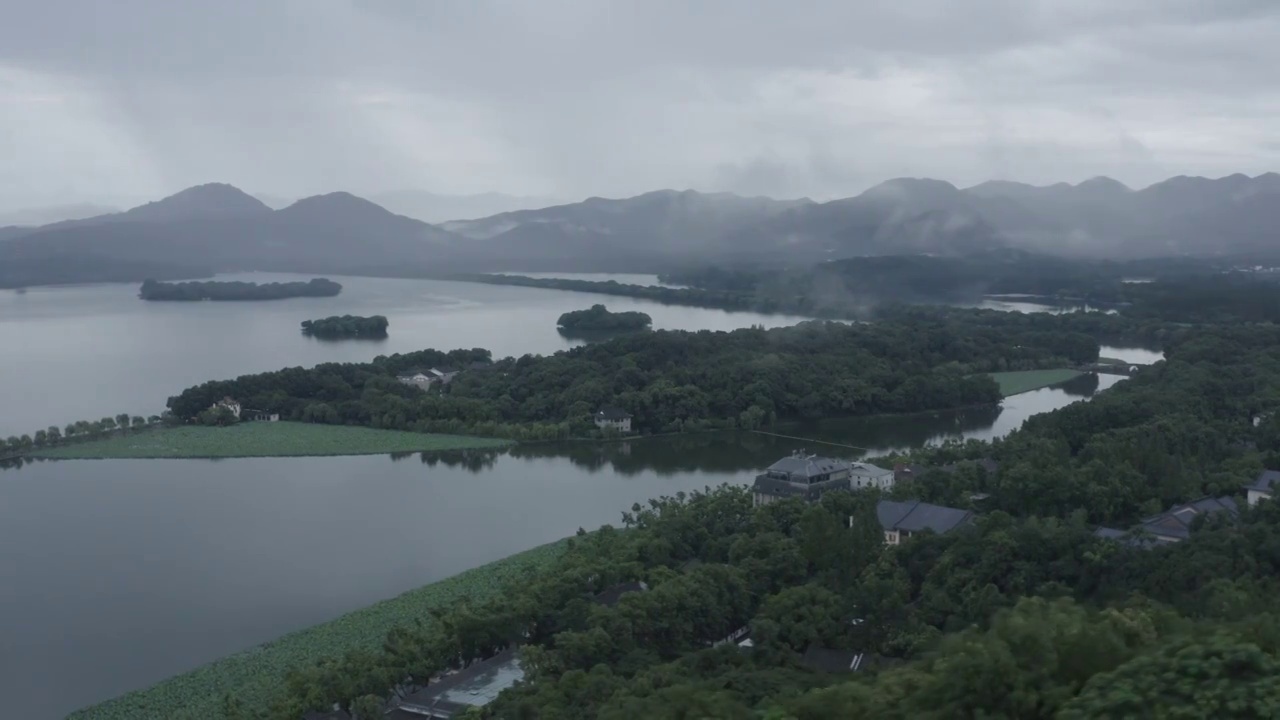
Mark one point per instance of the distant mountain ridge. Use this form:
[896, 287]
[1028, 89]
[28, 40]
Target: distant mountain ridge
[216, 228]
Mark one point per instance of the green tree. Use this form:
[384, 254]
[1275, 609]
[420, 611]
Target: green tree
[1218, 677]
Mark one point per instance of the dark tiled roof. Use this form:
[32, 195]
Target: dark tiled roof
[914, 516]
[1173, 525]
[612, 413]
[1176, 521]
[475, 685]
[611, 595]
[1266, 480]
[832, 661]
[806, 467]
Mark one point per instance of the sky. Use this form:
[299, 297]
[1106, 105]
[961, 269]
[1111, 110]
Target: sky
[135, 99]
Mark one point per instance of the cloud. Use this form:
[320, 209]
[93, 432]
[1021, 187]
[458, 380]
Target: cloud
[616, 97]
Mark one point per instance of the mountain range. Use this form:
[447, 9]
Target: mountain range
[218, 228]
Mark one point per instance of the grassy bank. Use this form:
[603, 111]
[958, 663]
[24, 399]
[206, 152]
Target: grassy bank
[1012, 383]
[262, 439]
[256, 675]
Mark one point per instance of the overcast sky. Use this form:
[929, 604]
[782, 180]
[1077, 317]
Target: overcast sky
[568, 98]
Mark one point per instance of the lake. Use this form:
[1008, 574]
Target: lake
[117, 574]
[120, 573]
[92, 351]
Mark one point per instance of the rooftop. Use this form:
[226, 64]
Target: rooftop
[612, 413]
[474, 686]
[1266, 480]
[1172, 525]
[867, 469]
[914, 516]
[806, 466]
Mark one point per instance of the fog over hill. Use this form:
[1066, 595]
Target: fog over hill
[216, 227]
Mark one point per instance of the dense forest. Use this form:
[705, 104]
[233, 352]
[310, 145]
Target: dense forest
[678, 381]
[347, 326]
[597, 318]
[1027, 614]
[222, 290]
[1166, 290]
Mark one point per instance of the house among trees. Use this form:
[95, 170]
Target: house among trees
[1173, 525]
[417, 378]
[228, 404]
[445, 375]
[901, 520]
[453, 695]
[611, 595]
[809, 477]
[260, 415]
[612, 418]
[1262, 487]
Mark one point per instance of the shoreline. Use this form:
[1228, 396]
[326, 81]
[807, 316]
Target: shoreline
[257, 673]
[261, 440]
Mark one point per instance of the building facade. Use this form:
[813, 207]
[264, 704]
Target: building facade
[612, 418]
[808, 477]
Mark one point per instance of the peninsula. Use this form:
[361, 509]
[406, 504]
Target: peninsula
[222, 290]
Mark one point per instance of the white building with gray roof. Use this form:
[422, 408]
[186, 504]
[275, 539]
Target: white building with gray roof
[809, 477]
[902, 519]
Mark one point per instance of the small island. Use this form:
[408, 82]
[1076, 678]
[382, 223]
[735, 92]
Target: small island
[219, 290]
[347, 326]
[599, 319]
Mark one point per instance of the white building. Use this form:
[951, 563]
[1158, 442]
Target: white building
[1262, 487]
[229, 404]
[866, 475]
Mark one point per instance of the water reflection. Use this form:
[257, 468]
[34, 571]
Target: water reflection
[745, 451]
[595, 335]
[1081, 386]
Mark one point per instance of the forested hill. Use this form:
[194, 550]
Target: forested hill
[672, 381]
[1028, 614]
[347, 326]
[598, 318]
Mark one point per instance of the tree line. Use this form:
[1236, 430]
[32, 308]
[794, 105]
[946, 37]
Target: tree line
[226, 290]
[18, 445]
[1027, 614]
[1169, 290]
[673, 381]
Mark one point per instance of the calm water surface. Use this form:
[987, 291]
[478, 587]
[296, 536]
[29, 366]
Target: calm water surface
[121, 573]
[85, 352]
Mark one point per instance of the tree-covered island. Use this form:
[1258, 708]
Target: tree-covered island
[598, 319]
[224, 290]
[347, 326]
